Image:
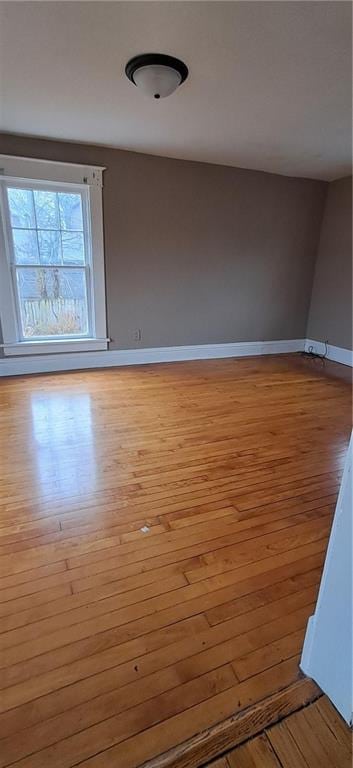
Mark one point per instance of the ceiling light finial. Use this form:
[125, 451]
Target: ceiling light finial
[157, 74]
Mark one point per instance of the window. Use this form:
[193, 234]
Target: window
[52, 270]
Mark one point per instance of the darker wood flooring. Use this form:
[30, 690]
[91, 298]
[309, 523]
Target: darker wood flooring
[314, 736]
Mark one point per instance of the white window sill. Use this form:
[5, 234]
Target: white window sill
[55, 346]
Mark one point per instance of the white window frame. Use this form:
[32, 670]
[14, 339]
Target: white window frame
[88, 181]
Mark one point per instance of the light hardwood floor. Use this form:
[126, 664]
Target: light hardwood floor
[118, 644]
[314, 736]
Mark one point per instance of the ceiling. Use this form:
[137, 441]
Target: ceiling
[269, 85]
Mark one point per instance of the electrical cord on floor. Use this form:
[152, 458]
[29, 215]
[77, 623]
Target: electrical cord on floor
[309, 353]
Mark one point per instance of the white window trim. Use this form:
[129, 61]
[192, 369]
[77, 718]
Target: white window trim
[27, 170]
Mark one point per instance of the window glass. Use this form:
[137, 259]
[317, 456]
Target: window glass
[48, 244]
[53, 302]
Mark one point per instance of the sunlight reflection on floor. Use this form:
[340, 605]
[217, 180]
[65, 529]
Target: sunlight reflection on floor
[65, 454]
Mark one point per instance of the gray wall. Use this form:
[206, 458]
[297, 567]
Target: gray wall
[330, 315]
[199, 253]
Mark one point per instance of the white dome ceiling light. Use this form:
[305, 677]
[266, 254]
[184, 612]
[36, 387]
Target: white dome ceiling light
[157, 74]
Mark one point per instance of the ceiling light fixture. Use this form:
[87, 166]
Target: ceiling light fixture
[157, 74]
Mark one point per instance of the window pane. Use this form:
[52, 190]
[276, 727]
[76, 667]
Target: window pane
[53, 302]
[25, 246]
[49, 247]
[70, 207]
[21, 207]
[73, 248]
[46, 205]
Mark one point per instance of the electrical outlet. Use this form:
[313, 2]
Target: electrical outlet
[137, 335]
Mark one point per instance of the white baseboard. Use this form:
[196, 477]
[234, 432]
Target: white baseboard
[337, 354]
[117, 357]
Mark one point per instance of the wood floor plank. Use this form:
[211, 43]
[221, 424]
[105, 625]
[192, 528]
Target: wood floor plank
[32, 608]
[294, 576]
[17, 605]
[238, 728]
[335, 723]
[256, 753]
[117, 728]
[100, 708]
[134, 751]
[278, 650]
[286, 747]
[306, 738]
[334, 749]
[44, 597]
[232, 556]
[34, 661]
[222, 762]
[308, 741]
[21, 579]
[101, 571]
[139, 657]
[99, 592]
[82, 611]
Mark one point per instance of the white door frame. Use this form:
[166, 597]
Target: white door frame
[328, 647]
